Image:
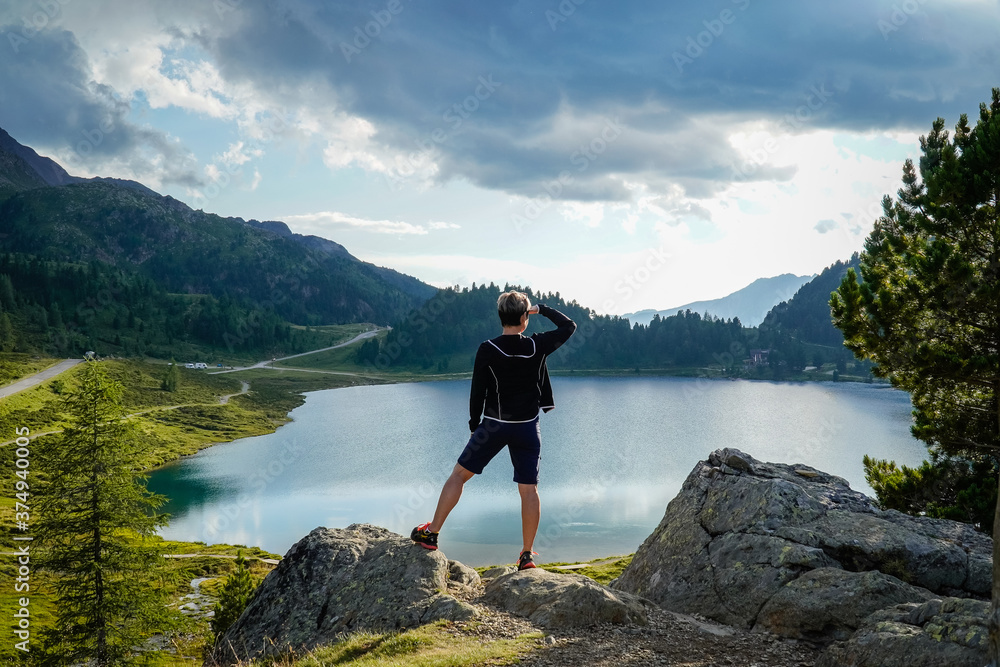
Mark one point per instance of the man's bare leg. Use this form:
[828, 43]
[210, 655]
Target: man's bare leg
[450, 494]
[531, 512]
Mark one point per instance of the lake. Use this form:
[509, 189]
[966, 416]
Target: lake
[614, 452]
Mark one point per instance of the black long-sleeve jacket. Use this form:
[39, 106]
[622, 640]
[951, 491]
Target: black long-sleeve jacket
[510, 381]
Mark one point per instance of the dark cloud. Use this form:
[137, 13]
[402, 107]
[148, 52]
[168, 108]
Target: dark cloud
[680, 76]
[47, 99]
[805, 65]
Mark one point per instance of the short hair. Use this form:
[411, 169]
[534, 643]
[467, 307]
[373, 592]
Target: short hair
[510, 306]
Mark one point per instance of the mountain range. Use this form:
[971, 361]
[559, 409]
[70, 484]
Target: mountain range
[750, 304]
[110, 264]
[49, 214]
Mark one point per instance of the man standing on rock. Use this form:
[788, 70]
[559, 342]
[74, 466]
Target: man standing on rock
[510, 384]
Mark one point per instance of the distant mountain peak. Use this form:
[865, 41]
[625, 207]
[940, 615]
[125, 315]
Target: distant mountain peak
[749, 304]
[48, 170]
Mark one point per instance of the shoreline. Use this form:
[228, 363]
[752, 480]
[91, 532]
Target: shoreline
[586, 373]
[356, 398]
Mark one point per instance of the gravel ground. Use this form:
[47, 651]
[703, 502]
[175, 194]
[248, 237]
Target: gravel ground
[669, 639]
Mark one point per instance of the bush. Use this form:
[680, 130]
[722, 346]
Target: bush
[234, 597]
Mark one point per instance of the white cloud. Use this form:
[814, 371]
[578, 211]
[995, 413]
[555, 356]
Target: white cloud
[349, 142]
[590, 213]
[630, 220]
[195, 86]
[165, 81]
[238, 154]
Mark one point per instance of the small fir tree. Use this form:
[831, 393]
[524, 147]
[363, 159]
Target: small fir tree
[171, 378]
[94, 514]
[234, 596]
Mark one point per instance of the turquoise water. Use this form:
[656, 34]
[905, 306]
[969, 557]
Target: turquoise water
[614, 452]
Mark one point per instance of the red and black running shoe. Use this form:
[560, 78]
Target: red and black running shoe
[423, 536]
[525, 562]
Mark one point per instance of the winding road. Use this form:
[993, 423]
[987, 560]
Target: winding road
[65, 365]
[267, 362]
[38, 378]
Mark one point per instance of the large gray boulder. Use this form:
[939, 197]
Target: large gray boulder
[828, 603]
[738, 537]
[561, 600]
[948, 632]
[336, 581]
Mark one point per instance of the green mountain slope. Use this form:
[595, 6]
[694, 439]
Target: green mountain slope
[56, 229]
[192, 252]
[56, 216]
[806, 316]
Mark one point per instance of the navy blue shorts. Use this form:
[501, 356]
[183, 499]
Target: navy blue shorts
[522, 440]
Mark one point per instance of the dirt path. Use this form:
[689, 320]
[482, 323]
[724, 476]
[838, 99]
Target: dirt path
[268, 363]
[38, 378]
[31, 436]
[223, 400]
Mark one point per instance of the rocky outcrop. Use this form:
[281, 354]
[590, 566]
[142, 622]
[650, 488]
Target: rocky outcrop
[759, 546]
[557, 600]
[337, 581]
[939, 632]
[462, 575]
[793, 550]
[828, 603]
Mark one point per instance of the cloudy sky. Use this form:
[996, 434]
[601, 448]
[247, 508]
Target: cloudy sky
[627, 154]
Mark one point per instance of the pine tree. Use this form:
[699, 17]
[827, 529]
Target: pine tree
[171, 378]
[928, 309]
[94, 515]
[234, 596]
